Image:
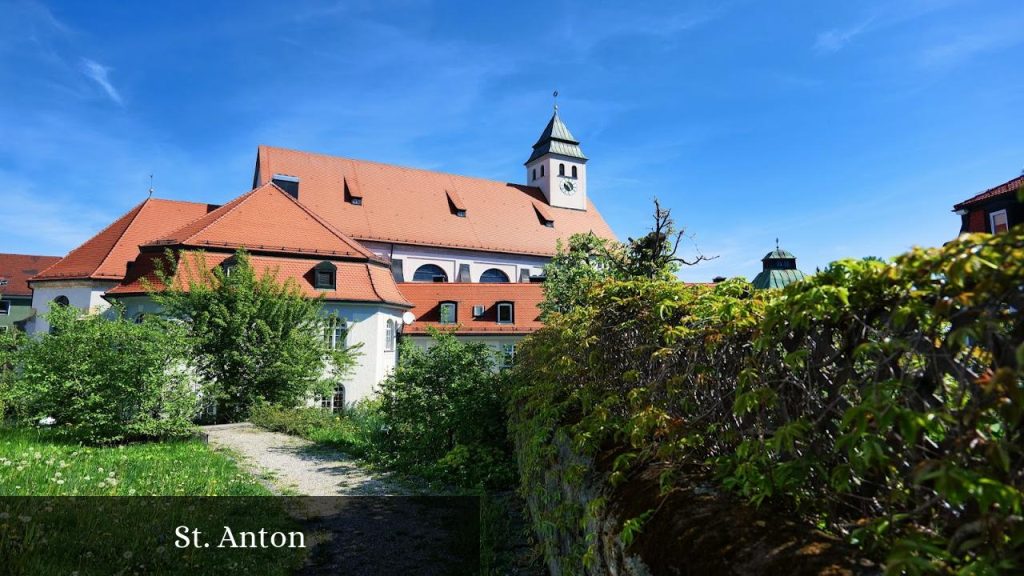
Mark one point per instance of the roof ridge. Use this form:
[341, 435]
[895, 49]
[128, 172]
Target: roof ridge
[137, 207]
[142, 207]
[398, 166]
[338, 233]
[234, 203]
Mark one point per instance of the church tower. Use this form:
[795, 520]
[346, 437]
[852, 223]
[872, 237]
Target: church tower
[558, 167]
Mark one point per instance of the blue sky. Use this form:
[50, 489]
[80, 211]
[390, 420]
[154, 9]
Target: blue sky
[844, 128]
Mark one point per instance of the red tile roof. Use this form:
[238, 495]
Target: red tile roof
[1003, 189]
[412, 206]
[16, 269]
[106, 255]
[356, 281]
[267, 219]
[427, 297]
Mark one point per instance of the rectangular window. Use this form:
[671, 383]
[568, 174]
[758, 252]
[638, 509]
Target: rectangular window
[335, 335]
[325, 279]
[5, 307]
[999, 222]
[448, 312]
[506, 313]
[508, 355]
[4, 329]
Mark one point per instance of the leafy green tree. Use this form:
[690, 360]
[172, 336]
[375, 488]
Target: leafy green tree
[444, 411]
[588, 260]
[105, 379]
[577, 267]
[251, 336]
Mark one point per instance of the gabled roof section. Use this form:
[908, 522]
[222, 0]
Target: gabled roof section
[105, 256]
[556, 139]
[16, 269]
[410, 206]
[266, 219]
[355, 281]
[1004, 189]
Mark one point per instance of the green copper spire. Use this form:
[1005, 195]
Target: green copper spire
[556, 139]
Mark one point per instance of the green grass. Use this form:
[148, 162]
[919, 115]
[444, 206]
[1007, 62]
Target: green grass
[33, 463]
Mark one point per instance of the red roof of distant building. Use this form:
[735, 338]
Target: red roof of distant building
[411, 206]
[428, 296]
[16, 269]
[105, 256]
[1003, 189]
[355, 281]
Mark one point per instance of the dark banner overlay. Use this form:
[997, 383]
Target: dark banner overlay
[358, 535]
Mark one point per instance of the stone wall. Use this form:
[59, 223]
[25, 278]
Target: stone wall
[692, 530]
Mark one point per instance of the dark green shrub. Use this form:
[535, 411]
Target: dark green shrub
[883, 402]
[105, 380]
[443, 410]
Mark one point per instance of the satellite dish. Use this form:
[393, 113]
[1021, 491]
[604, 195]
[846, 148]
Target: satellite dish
[408, 318]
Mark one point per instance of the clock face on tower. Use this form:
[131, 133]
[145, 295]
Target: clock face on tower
[569, 187]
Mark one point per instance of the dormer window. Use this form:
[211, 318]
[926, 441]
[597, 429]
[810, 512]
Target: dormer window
[228, 266]
[506, 313]
[289, 184]
[325, 276]
[352, 194]
[449, 312]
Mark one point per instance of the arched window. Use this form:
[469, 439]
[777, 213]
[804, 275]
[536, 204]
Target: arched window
[534, 173]
[389, 336]
[573, 171]
[561, 169]
[140, 318]
[61, 301]
[541, 170]
[493, 275]
[429, 273]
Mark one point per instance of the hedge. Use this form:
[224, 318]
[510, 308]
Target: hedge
[881, 402]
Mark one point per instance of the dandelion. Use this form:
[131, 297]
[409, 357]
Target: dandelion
[60, 481]
[25, 519]
[127, 555]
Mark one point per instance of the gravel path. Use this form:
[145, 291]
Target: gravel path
[297, 466]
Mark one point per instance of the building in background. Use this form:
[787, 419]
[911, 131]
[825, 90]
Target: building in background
[383, 244]
[995, 210]
[15, 293]
[778, 269]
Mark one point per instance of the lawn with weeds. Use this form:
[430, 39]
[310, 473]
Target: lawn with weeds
[34, 463]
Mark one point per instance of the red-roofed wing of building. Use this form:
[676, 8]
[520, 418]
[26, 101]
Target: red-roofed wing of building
[381, 202]
[16, 269]
[283, 236]
[427, 298]
[105, 256]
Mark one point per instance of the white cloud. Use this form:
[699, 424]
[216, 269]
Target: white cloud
[834, 40]
[101, 75]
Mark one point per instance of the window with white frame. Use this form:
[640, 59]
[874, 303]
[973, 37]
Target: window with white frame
[335, 333]
[508, 355]
[389, 336]
[336, 401]
[5, 307]
[506, 313]
[1000, 223]
[449, 312]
